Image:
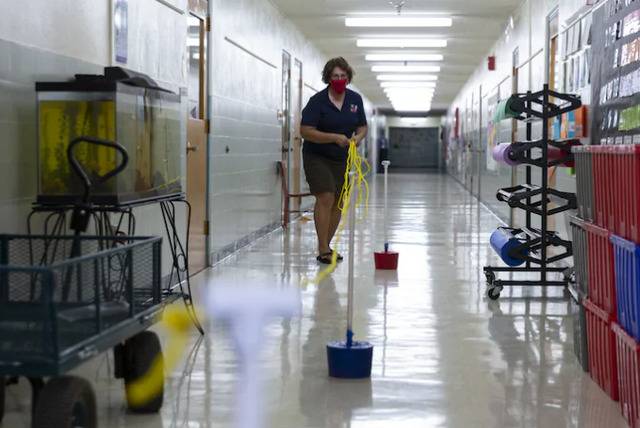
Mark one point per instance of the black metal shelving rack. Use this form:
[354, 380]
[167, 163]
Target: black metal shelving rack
[534, 199]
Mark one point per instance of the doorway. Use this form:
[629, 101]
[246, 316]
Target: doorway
[413, 148]
[197, 132]
[295, 173]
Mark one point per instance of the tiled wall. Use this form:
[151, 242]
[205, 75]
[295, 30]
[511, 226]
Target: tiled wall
[528, 36]
[20, 67]
[54, 40]
[51, 41]
[245, 95]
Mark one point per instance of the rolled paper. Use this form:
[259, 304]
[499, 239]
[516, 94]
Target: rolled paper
[503, 154]
[503, 242]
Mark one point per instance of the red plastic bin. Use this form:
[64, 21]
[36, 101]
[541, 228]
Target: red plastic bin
[616, 176]
[628, 356]
[603, 363]
[628, 188]
[602, 283]
[603, 186]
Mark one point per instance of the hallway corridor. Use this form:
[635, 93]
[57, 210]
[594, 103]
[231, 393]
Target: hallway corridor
[444, 355]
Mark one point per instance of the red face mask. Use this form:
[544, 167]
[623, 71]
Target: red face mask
[339, 85]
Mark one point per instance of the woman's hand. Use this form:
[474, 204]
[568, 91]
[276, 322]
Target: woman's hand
[342, 141]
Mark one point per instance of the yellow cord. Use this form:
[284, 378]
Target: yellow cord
[359, 165]
[177, 322]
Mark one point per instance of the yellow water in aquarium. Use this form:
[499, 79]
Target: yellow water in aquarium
[62, 121]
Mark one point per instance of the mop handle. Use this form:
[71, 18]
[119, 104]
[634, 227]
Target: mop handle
[352, 238]
[385, 164]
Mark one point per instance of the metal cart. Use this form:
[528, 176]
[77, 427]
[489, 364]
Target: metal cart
[64, 300]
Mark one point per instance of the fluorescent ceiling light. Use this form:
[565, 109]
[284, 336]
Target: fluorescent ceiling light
[402, 43]
[412, 108]
[404, 57]
[407, 77]
[408, 84]
[410, 91]
[405, 69]
[410, 102]
[413, 119]
[399, 21]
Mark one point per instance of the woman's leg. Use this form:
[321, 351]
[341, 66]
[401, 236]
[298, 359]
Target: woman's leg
[323, 216]
[335, 220]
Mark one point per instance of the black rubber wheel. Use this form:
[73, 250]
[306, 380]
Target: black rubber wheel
[140, 352]
[490, 277]
[493, 293]
[66, 402]
[3, 387]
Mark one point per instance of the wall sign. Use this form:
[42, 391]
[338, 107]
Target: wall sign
[121, 30]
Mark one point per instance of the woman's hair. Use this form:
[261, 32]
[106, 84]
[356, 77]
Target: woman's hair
[333, 63]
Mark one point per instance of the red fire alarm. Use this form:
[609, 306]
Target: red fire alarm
[492, 63]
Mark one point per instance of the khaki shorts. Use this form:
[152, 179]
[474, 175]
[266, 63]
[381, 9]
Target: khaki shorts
[324, 175]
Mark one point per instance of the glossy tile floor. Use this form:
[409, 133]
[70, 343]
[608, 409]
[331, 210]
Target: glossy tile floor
[444, 355]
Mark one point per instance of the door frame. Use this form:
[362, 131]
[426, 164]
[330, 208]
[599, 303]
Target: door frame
[295, 149]
[201, 9]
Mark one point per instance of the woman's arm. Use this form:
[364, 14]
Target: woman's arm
[361, 133]
[312, 134]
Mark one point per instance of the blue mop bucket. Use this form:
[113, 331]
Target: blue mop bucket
[504, 242]
[350, 361]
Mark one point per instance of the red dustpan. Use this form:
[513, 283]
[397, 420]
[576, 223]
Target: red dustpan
[387, 260]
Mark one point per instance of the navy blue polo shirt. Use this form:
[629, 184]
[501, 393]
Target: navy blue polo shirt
[323, 115]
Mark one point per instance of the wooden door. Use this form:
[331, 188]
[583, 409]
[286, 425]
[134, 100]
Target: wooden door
[197, 133]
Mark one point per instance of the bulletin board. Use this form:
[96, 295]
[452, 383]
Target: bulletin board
[616, 73]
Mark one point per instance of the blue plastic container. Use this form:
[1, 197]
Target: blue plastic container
[352, 362]
[627, 271]
[503, 243]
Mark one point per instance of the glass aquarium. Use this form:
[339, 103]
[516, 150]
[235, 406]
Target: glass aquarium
[120, 106]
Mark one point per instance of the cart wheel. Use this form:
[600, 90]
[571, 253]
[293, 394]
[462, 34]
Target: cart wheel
[494, 293]
[3, 386]
[66, 402]
[139, 354]
[490, 277]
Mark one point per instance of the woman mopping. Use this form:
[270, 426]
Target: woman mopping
[330, 121]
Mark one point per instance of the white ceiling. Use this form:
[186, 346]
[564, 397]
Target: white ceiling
[477, 24]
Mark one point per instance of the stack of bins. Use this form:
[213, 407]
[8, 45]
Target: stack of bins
[616, 209]
[584, 179]
[627, 272]
[579, 293]
[601, 310]
[595, 186]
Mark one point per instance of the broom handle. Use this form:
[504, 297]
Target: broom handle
[352, 238]
[386, 164]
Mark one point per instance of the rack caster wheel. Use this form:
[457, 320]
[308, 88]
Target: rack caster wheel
[494, 293]
[569, 276]
[491, 277]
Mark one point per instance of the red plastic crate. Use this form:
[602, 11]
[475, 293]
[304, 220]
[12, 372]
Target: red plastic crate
[628, 356]
[602, 284]
[616, 171]
[628, 186]
[603, 186]
[603, 363]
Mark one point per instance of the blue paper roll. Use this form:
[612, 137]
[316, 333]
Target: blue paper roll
[503, 241]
